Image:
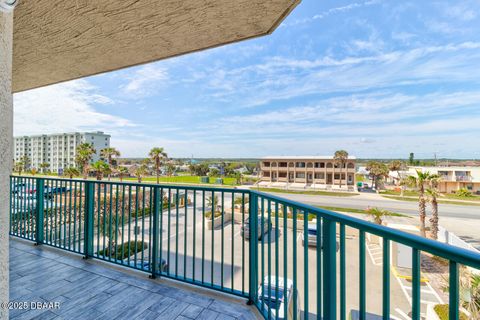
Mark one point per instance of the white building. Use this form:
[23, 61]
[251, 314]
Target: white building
[58, 150]
[453, 178]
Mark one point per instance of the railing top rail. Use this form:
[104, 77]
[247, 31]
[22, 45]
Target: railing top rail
[460, 255]
[149, 185]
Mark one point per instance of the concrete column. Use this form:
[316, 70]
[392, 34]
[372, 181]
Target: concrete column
[6, 149]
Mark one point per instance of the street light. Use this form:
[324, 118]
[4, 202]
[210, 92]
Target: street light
[7, 5]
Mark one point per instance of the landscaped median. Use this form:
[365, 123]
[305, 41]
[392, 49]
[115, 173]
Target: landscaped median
[415, 199]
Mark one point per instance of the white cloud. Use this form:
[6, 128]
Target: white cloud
[64, 107]
[146, 80]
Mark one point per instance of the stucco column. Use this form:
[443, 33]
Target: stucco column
[6, 146]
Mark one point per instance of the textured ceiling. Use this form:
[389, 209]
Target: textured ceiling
[59, 40]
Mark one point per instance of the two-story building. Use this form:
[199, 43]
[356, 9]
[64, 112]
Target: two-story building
[315, 172]
[453, 178]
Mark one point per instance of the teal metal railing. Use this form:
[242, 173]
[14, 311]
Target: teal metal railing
[288, 259]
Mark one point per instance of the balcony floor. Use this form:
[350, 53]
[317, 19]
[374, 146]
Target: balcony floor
[88, 289]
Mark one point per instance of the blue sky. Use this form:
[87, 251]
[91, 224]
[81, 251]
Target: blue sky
[376, 78]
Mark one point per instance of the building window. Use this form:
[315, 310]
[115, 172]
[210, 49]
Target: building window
[300, 164]
[319, 175]
[329, 165]
[300, 175]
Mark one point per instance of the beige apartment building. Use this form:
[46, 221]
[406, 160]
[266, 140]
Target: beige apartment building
[315, 172]
[453, 178]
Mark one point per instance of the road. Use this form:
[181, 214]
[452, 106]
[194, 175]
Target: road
[365, 200]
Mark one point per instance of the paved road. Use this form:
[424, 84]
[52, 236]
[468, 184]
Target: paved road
[364, 200]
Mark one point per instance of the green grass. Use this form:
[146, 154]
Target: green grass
[439, 201]
[317, 193]
[361, 211]
[184, 179]
[412, 193]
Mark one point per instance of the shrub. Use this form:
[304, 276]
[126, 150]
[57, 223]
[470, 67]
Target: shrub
[121, 251]
[442, 312]
[464, 192]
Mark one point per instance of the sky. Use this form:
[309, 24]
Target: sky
[377, 78]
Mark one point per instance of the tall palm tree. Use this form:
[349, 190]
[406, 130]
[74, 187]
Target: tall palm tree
[420, 182]
[139, 171]
[122, 172]
[26, 162]
[108, 154]
[433, 194]
[340, 157]
[101, 168]
[85, 152]
[157, 155]
[71, 172]
[397, 166]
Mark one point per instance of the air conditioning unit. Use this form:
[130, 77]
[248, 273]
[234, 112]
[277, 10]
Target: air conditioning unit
[8, 5]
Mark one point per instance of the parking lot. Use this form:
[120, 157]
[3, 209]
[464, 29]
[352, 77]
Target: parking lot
[221, 257]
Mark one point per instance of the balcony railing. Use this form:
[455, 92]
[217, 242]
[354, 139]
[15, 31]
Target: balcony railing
[240, 242]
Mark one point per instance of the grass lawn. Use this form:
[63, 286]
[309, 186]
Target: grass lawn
[439, 201]
[184, 179]
[412, 193]
[340, 209]
[317, 193]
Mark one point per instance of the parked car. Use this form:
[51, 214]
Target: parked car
[273, 297]
[312, 235]
[267, 226]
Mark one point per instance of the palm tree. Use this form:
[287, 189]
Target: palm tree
[71, 172]
[397, 166]
[33, 171]
[433, 194]
[377, 214]
[101, 168]
[377, 171]
[108, 154]
[340, 157]
[19, 167]
[420, 182]
[44, 166]
[157, 155]
[85, 152]
[122, 172]
[139, 171]
[26, 162]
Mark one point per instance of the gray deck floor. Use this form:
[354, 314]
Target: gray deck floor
[87, 289]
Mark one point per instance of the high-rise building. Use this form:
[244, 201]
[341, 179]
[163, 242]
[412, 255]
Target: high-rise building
[58, 150]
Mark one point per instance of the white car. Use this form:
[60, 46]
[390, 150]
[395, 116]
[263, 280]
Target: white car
[312, 235]
[274, 299]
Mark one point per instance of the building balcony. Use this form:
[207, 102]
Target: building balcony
[253, 247]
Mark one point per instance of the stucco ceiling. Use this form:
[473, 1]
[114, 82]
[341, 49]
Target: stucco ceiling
[59, 40]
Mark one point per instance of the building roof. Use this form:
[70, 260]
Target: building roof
[303, 158]
[58, 40]
[63, 134]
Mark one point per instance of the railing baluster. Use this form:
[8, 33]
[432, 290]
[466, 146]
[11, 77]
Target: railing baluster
[453, 291]
[285, 256]
[155, 233]
[185, 252]
[243, 244]
[203, 236]
[223, 241]
[362, 271]
[415, 284]
[386, 279]
[213, 203]
[194, 237]
[343, 282]
[39, 211]
[177, 209]
[160, 227]
[319, 266]
[329, 270]
[269, 221]
[232, 265]
[253, 249]
[294, 238]
[262, 228]
[89, 219]
[277, 237]
[305, 263]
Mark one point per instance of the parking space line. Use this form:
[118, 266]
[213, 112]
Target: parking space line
[403, 314]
